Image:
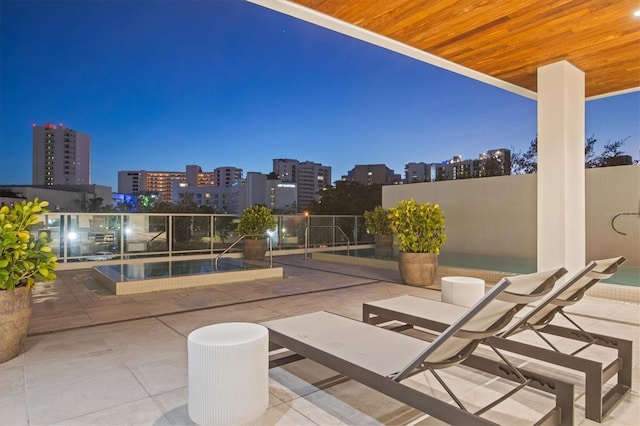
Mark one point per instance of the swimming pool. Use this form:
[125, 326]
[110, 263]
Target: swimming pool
[626, 275]
[133, 278]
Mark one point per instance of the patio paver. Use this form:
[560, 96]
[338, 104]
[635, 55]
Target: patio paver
[94, 358]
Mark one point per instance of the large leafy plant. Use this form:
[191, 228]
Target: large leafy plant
[24, 259]
[418, 228]
[377, 221]
[256, 220]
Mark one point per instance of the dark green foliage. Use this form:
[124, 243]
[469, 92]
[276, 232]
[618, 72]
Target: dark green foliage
[256, 219]
[347, 198]
[377, 221]
[527, 162]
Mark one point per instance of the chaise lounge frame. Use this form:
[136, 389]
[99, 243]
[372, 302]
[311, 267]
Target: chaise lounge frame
[383, 358]
[597, 403]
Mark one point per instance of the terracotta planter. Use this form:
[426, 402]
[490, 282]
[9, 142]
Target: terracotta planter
[383, 241]
[15, 318]
[418, 269]
[254, 249]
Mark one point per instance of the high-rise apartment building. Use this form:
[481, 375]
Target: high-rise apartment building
[216, 189]
[256, 188]
[226, 176]
[143, 181]
[494, 162]
[259, 188]
[61, 156]
[372, 174]
[419, 172]
[196, 177]
[286, 169]
[310, 178]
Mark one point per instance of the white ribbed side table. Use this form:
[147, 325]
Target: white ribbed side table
[465, 291]
[228, 367]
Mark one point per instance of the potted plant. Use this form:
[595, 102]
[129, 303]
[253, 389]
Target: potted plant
[378, 223]
[254, 223]
[418, 231]
[24, 259]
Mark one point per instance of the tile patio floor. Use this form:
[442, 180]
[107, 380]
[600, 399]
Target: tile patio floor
[96, 359]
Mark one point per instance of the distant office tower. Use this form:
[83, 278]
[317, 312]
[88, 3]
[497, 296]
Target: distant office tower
[310, 177]
[143, 181]
[61, 156]
[372, 174]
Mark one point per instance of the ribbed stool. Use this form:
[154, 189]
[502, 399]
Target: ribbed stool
[464, 291]
[228, 367]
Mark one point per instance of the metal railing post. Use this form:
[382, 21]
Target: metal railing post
[306, 241]
[306, 234]
[242, 237]
[170, 234]
[333, 227]
[333, 231]
[161, 227]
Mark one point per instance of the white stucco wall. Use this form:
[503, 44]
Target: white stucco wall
[497, 215]
[610, 191]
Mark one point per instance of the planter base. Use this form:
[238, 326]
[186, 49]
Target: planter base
[254, 249]
[383, 241]
[15, 318]
[418, 269]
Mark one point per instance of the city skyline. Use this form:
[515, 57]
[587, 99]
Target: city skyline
[162, 85]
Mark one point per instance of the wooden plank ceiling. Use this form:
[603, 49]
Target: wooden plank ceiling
[510, 39]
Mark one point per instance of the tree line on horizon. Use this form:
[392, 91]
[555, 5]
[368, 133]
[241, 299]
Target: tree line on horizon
[527, 162]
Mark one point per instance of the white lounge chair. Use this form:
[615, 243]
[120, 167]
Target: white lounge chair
[436, 315]
[382, 359]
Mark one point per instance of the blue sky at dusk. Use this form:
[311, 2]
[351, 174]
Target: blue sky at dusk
[162, 84]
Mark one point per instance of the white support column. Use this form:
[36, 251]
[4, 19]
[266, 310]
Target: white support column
[561, 174]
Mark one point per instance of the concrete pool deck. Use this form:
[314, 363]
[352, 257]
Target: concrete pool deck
[96, 358]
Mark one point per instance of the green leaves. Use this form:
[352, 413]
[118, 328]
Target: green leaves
[23, 257]
[256, 219]
[377, 221]
[418, 228]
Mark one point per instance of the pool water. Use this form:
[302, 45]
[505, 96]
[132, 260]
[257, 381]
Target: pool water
[461, 260]
[177, 268]
[626, 275]
[132, 278]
